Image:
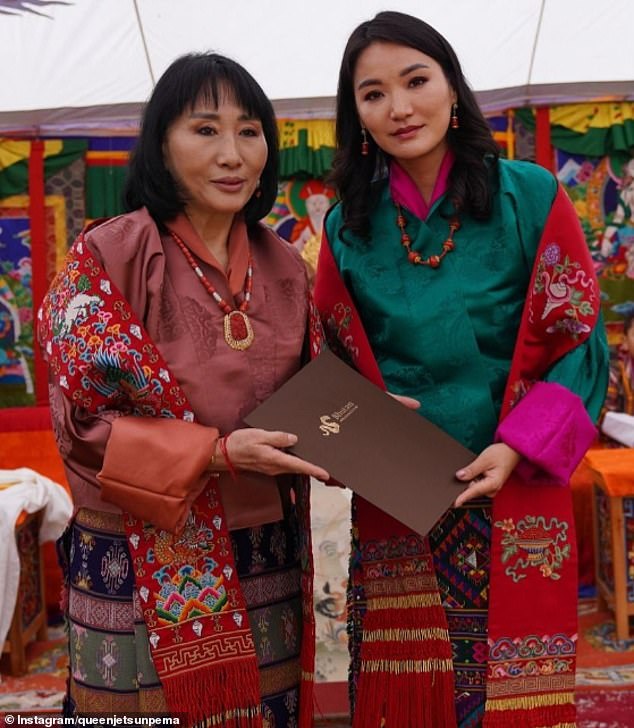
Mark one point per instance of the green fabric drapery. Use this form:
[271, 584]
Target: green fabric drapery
[302, 161]
[104, 190]
[592, 130]
[14, 161]
[306, 147]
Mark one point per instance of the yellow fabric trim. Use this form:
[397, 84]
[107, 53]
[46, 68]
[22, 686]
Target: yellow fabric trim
[320, 132]
[107, 155]
[16, 201]
[406, 602]
[402, 635]
[582, 117]
[13, 151]
[310, 251]
[398, 667]
[528, 702]
[510, 134]
[58, 203]
[222, 718]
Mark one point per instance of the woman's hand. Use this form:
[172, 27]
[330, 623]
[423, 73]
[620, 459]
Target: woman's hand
[262, 451]
[408, 402]
[488, 472]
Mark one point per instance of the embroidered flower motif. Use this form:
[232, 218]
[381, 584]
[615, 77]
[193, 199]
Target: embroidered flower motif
[562, 283]
[336, 327]
[552, 254]
[533, 543]
[574, 327]
[507, 525]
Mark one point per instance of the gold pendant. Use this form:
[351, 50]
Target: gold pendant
[238, 330]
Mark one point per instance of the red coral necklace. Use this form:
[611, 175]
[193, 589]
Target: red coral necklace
[433, 261]
[237, 327]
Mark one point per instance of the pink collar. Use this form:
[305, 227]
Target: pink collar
[405, 192]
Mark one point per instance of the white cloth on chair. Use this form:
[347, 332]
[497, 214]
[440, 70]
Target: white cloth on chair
[619, 427]
[25, 490]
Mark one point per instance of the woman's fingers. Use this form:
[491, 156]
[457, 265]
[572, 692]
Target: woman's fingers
[287, 463]
[263, 451]
[488, 472]
[488, 486]
[408, 402]
[274, 438]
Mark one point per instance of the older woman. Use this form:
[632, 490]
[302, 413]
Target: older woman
[188, 556]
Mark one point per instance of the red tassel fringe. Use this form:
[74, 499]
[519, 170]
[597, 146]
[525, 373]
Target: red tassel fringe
[230, 693]
[405, 697]
[550, 716]
[415, 700]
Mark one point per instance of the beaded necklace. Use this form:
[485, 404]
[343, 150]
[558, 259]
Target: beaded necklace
[237, 327]
[433, 261]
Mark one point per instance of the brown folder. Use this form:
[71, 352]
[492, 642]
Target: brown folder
[367, 441]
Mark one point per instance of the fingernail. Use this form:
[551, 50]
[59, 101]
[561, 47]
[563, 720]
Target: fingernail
[292, 439]
[461, 473]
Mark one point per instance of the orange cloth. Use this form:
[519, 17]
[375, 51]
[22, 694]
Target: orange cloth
[614, 470]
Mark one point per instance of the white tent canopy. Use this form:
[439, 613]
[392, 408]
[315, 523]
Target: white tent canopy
[87, 66]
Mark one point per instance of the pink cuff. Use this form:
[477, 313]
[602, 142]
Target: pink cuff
[551, 429]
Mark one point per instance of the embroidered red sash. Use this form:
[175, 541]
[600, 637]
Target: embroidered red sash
[404, 678]
[200, 640]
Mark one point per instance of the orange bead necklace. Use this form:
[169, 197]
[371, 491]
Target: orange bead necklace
[433, 261]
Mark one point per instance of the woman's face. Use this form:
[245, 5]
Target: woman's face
[216, 156]
[404, 101]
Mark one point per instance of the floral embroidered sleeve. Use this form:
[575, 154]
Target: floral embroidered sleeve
[553, 424]
[560, 410]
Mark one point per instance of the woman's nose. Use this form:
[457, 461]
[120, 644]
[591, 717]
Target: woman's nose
[229, 153]
[400, 106]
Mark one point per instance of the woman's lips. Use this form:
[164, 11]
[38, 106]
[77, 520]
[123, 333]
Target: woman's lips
[229, 184]
[407, 132]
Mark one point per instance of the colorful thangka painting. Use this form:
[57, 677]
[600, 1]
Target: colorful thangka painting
[602, 190]
[298, 215]
[16, 313]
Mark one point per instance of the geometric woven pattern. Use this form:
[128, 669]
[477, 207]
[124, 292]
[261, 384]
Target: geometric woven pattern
[461, 547]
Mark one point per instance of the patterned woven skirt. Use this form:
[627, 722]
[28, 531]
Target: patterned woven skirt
[460, 544]
[110, 666]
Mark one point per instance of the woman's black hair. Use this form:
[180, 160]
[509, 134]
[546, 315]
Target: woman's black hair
[205, 77]
[472, 143]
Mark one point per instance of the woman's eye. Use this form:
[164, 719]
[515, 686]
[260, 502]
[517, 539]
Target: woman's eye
[372, 96]
[417, 81]
[250, 132]
[206, 130]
